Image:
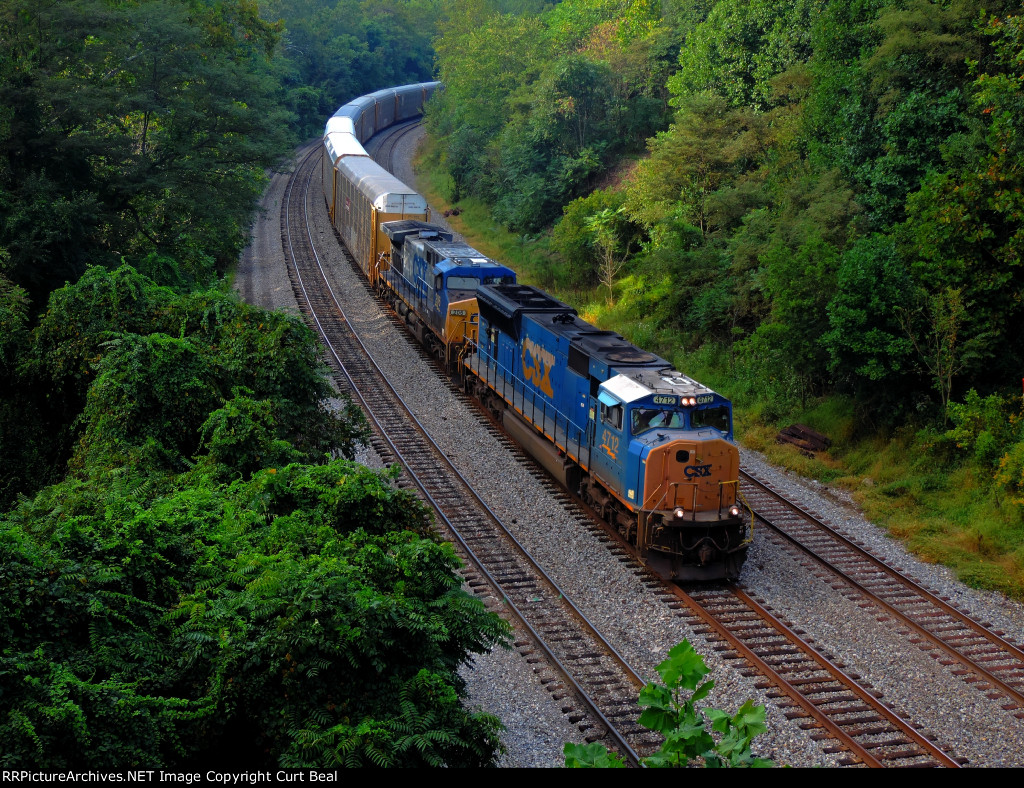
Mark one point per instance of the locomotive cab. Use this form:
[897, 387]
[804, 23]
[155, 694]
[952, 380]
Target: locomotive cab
[679, 473]
[456, 280]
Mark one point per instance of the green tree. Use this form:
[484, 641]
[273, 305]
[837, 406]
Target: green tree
[305, 617]
[207, 343]
[935, 327]
[965, 225]
[575, 244]
[865, 339]
[707, 148]
[741, 47]
[604, 227]
[132, 129]
[23, 436]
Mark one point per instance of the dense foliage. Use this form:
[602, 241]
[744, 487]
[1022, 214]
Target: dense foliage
[839, 181]
[205, 585]
[135, 130]
[141, 131]
[305, 616]
[192, 570]
[336, 50]
[830, 206]
[536, 107]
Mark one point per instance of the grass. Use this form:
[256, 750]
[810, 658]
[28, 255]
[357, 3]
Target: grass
[948, 514]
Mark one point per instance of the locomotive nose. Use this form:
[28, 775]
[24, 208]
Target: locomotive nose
[691, 476]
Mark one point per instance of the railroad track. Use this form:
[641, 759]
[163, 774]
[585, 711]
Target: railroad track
[980, 656]
[820, 695]
[816, 692]
[385, 143]
[596, 686]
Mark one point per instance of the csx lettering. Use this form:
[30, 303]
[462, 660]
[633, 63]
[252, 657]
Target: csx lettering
[537, 364]
[695, 471]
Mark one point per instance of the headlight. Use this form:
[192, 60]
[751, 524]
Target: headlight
[679, 513]
[734, 511]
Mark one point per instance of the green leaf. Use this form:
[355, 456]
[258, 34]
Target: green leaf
[683, 668]
[591, 756]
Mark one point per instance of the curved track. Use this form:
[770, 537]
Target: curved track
[597, 686]
[384, 144]
[821, 696]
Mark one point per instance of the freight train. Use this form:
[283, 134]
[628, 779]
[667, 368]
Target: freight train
[650, 449]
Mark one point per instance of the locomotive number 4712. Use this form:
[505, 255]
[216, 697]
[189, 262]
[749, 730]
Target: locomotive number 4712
[610, 443]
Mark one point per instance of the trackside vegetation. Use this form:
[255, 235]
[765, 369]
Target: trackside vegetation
[205, 584]
[193, 571]
[688, 730]
[815, 207]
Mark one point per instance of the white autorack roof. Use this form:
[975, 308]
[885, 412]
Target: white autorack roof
[338, 144]
[383, 190]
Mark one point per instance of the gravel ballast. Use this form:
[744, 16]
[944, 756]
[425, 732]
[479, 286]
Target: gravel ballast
[641, 626]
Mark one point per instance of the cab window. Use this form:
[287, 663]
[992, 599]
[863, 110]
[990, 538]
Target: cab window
[711, 417]
[462, 283]
[644, 419]
[612, 416]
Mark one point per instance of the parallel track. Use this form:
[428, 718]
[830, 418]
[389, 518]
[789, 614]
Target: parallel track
[986, 660]
[821, 694]
[385, 143]
[589, 668]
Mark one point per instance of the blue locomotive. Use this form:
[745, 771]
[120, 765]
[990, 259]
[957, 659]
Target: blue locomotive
[432, 280]
[646, 446]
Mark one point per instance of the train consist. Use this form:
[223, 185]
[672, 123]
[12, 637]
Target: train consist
[647, 447]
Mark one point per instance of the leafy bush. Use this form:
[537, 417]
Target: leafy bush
[1010, 473]
[985, 427]
[128, 371]
[671, 710]
[306, 617]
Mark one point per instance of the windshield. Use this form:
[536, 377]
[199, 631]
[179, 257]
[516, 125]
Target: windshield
[711, 417]
[472, 283]
[463, 283]
[644, 419]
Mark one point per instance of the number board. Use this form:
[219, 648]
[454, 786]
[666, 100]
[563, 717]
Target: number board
[457, 312]
[664, 399]
[704, 399]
